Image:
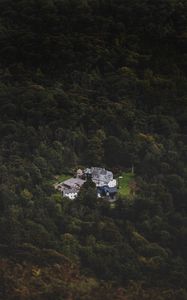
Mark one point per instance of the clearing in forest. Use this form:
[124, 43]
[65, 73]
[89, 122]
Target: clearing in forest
[126, 184]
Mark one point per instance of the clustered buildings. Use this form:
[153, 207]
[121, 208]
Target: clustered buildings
[105, 183]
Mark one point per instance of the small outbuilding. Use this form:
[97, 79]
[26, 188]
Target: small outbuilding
[79, 173]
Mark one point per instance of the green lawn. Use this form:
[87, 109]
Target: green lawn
[124, 183]
[59, 178]
[63, 177]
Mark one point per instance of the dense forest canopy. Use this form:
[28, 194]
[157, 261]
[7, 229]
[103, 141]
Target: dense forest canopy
[93, 83]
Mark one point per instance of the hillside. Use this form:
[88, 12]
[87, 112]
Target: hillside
[94, 83]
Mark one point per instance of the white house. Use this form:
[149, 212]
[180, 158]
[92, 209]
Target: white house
[70, 187]
[112, 183]
[105, 183]
[70, 193]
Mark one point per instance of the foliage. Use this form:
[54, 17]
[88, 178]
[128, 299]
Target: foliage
[87, 83]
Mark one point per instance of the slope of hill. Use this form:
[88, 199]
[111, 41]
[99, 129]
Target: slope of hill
[95, 83]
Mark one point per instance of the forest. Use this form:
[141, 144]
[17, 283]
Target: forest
[93, 83]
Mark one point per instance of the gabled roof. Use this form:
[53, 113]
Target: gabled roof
[72, 182]
[100, 174]
[112, 183]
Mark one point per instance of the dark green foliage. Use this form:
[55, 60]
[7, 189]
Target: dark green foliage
[96, 83]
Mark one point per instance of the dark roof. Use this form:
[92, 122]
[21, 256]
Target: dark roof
[112, 190]
[107, 189]
[103, 172]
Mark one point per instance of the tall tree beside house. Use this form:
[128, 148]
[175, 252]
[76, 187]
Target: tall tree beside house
[95, 150]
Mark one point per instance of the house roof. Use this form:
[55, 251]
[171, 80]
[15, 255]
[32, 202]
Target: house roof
[112, 190]
[107, 189]
[100, 175]
[73, 182]
[112, 183]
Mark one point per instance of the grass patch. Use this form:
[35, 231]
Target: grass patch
[62, 177]
[59, 178]
[124, 183]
